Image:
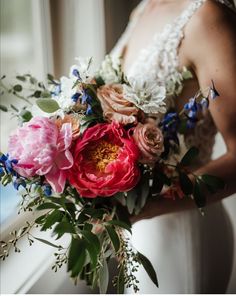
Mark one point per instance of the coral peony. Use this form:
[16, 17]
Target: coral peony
[105, 161]
[115, 107]
[149, 139]
[74, 120]
[42, 149]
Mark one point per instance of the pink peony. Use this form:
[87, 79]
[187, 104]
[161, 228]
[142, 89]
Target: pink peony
[150, 141]
[105, 161]
[42, 149]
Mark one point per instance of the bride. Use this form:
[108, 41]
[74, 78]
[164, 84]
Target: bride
[164, 38]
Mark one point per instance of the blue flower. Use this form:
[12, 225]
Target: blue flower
[192, 119]
[1, 170]
[86, 98]
[75, 97]
[204, 103]
[192, 105]
[89, 110]
[170, 122]
[8, 164]
[47, 190]
[19, 182]
[213, 92]
[3, 158]
[75, 72]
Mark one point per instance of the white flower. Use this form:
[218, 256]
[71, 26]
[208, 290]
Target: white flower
[147, 96]
[68, 90]
[110, 70]
[83, 68]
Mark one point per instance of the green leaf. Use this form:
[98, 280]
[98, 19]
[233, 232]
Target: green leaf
[121, 281]
[46, 206]
[92, 239]
[64, 227]
[21, 78]
[131, 200]
[189, 156]
[50, 77]
[120, 224]
[40, 219]
[76, 257]
[52, 218]
[37, 94]
[113, 237]
[103, 277]
[25, 115]
[143, 193]
[212, 181]
[198, 195]
[47, 242]
[3, 108]
[33, 80]
[17, 88]
[48, 105]
[185, 183]
[148, 267]
[46, 94]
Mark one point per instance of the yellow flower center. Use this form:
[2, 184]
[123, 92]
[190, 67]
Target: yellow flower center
[102, 154]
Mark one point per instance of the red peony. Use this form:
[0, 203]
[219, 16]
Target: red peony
[105, 161]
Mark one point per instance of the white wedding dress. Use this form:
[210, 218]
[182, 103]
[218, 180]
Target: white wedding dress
[190, 253]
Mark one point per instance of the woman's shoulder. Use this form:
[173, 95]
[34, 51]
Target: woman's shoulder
[214, 18]
[213, 24]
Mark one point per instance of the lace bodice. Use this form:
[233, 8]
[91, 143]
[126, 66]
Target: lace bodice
[159, 63]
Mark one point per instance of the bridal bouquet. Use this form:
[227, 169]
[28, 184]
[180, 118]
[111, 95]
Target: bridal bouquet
[87, 154]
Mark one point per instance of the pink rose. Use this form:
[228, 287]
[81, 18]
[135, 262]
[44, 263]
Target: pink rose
[42, 149]
[105, 161]
[150, 141]
[115, 107]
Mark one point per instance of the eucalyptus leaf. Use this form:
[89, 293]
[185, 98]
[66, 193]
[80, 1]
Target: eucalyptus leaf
[103, 277]
[21, 78]
[131, 198]
[48, 105]
[47, 242]
[113, 237]
[3, 108]
[25, 115]
[121, 281]
[120, 224]
[17, 88]
[148, 267]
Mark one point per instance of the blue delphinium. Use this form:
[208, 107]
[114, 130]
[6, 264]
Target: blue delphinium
[87, 99]
[170, 125]
[75, 72]
[19, 182]
[47, 190]
[75, 97]
[8, 164]
[213, 92]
